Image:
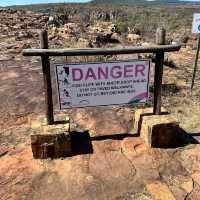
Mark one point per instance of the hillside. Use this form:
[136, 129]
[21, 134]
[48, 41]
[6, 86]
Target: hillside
[107, 161]
[143, 2]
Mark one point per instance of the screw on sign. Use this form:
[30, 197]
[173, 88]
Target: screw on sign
[196, 29]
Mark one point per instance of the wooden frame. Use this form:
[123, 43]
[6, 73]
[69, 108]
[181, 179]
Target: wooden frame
[44, 52]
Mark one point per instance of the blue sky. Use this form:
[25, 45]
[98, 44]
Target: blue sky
[22, 2]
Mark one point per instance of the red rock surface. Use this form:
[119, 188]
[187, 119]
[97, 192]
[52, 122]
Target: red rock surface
[112, 164]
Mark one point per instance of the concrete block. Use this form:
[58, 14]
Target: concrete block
[157, 130]
[139, 113]
[51, 145]
[51, 141]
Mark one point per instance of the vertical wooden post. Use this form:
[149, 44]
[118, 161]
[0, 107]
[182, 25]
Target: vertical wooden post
[160, 36]
[159, 59]
[47, 78]
[195, 63]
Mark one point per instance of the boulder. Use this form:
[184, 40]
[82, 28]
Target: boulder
[132, 37]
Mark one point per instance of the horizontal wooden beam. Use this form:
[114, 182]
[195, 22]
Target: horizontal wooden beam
[92, 51]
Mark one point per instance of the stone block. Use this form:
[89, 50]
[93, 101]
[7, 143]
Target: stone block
[51, 145]
[157, 130]
[139, 113]
[51, 141]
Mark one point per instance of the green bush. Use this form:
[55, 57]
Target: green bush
[122, 27]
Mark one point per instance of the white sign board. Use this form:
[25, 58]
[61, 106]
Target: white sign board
[196, 23]
[107, 83]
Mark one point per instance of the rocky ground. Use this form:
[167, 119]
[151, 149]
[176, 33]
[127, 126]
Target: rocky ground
[111, 163]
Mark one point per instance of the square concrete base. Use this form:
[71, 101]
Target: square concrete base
[51, 141]
[156, 130]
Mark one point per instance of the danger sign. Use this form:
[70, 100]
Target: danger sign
[196, 23]
[107, 83]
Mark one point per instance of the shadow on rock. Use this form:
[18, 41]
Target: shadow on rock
[112, 137]
[184, 138]
[81, 143]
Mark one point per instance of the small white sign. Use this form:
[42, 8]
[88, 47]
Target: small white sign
[98, 84]
[196, 23]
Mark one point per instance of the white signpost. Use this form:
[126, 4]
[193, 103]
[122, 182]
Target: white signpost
[105, 83]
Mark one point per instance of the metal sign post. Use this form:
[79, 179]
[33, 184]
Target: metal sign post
[195, 63]
[195, 29]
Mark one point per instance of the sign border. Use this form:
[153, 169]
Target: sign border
[56, 64]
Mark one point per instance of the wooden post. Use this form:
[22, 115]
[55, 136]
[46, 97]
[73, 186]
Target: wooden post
[160, 36]
[195, 63]
[159, 59]
[47, 78]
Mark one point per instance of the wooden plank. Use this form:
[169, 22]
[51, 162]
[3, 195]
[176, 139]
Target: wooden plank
[92, 52]
[47, 78]
[160, 36]
[159, 59]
